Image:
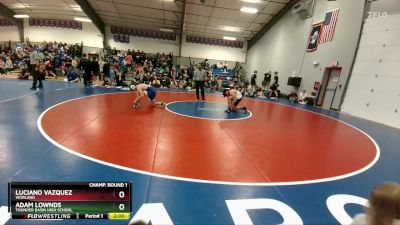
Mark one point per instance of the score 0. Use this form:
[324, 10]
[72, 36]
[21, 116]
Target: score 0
[121, 194]
[122, 199]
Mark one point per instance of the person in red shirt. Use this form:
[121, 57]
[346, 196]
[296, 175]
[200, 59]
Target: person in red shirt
[128, 60]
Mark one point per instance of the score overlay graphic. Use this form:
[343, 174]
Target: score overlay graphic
[76, 200]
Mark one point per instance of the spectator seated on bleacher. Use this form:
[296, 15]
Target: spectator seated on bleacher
[302, 95]
[259, 91]
[219, 82]
[22, 71]
[293, 97]
[110, 76]
[22, 74]
[273, 91]
[9, 66]
[2, 66]
[72, 77]
[308, 99]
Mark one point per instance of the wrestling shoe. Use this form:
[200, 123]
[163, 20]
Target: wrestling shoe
[136, 105]
[228, 111]
[244, 109]
[163, 103]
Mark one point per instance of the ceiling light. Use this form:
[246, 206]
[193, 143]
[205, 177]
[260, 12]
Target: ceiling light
[21, 16]
[80, 19]
[77, 9]
[233, 29]
[17, 6]
[230, 38]
[166, 30]
[248, 10]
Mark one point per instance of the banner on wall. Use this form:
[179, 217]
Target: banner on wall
[55, 23]
[317, 85]
[143, 33]
[5, 23]
[213, 41]
[329, 26]
[313, 39]
[122, 38]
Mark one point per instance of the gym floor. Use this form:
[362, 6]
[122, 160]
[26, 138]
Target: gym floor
[280, 162]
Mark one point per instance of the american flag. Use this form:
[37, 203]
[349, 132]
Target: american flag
[329, 26]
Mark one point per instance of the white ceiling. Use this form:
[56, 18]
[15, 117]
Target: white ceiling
[145, 14]
[205, 20]
[210, 18]
[46, 9]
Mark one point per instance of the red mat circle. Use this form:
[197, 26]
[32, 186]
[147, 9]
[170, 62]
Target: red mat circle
[278, 144]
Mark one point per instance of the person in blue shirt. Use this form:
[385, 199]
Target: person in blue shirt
[72, 76]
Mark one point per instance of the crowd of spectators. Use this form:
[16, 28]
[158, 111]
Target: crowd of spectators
[112, 67]
[153, 69]
[117, 68]
[52, 55]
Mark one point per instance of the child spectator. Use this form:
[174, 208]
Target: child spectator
[273, 89]
[63, 69]
[72, 76]
[112, 75]
[9, 65]
[384, 206]
[266, 81]
[48, 69]
[23, 75]
[41, 69]
[2, 66]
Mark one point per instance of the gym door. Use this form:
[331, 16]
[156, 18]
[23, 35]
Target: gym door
[328, 88]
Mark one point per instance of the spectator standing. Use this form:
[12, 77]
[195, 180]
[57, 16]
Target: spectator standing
[253, 83]
[128, 60]
[206, 64]
[225, 66]
[85, 66]
[95, 68]
[106, 72]
[82, 63]
[273, 89]
[68, 63]
[267, 80]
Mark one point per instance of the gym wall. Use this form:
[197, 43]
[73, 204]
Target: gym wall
[374, 89]
[283, 48]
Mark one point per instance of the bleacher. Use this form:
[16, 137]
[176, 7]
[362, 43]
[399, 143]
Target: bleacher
[225, 75]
